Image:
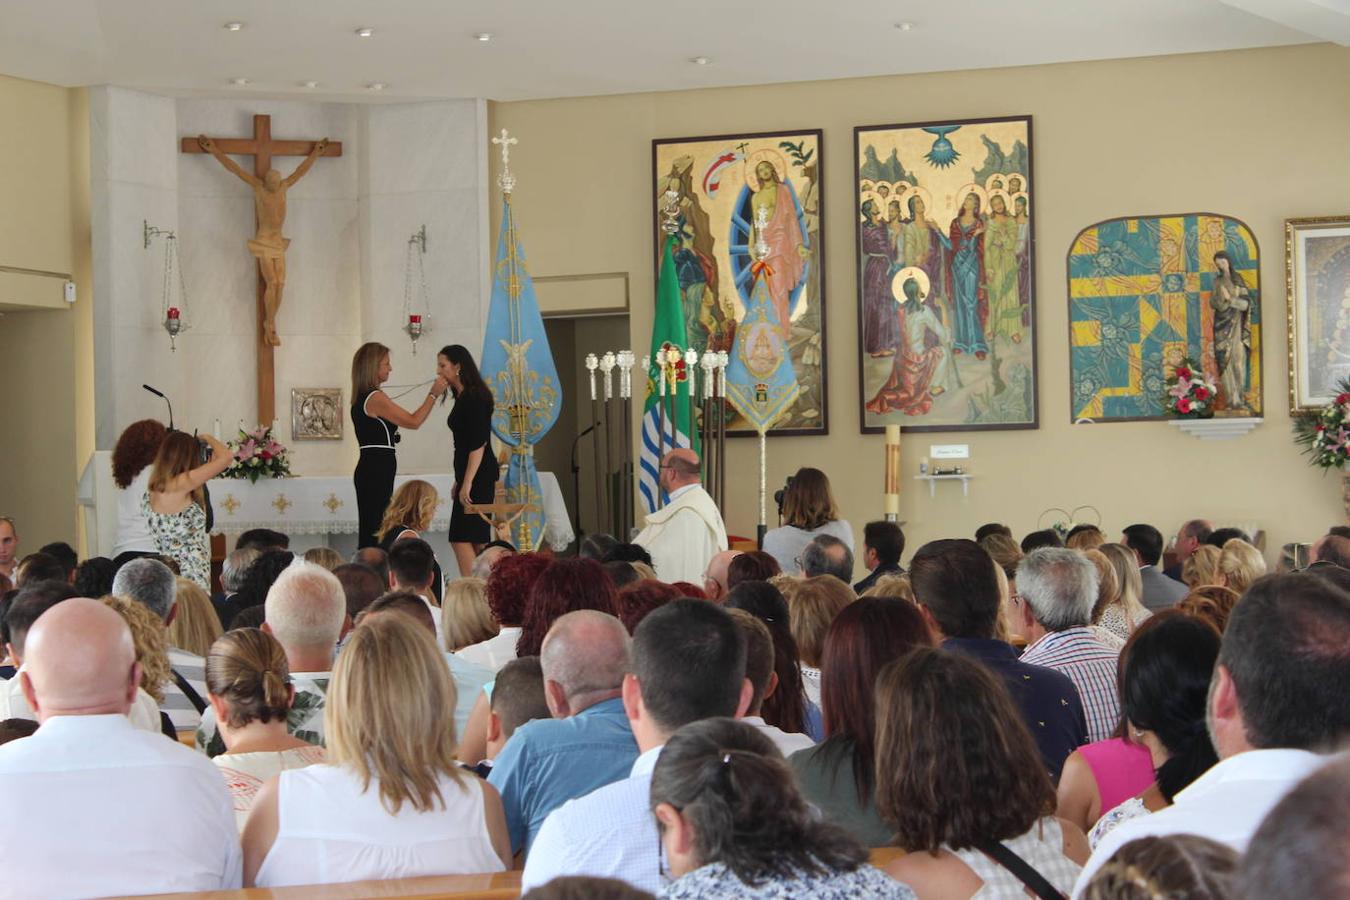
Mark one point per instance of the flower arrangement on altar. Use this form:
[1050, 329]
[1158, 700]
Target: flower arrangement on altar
[257, 454]
[1325, 434]
[1189, 394]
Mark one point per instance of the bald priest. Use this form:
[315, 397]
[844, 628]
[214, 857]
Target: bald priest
[683, 535]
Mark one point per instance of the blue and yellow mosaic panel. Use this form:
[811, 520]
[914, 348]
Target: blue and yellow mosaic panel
[1139, 292]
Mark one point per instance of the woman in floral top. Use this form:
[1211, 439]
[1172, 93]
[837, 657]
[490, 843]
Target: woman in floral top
[174, 506]
[733, 824]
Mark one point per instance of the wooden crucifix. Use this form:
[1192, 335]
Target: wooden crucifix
[268, 246]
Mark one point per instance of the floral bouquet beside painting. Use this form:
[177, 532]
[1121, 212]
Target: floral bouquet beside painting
[1325, 434]
[1189, 394]
[257, 454]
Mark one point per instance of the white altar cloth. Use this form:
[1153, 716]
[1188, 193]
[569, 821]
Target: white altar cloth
[316, 505]
[327, 505]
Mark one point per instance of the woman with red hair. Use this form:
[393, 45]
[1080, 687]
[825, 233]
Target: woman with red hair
[508, 587]
[131, 458]
[567, 585]
[638, 599]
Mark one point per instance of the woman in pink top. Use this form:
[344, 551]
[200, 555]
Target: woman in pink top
[1100, 776]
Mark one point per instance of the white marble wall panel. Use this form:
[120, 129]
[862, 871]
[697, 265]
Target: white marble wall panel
[424, 166]
[349, 220]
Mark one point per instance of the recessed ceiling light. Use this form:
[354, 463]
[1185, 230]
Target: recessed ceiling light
[700, 60]
[309, 84]
[905, 26]
[365, 32]
[483, 37]
[234, 26]
[239, 81]
[376, 86]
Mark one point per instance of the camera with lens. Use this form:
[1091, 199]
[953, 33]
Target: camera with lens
[779, 494]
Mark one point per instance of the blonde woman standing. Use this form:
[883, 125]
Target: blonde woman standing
[376, 420]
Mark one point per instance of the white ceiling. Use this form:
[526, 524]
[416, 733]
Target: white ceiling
[558, 48]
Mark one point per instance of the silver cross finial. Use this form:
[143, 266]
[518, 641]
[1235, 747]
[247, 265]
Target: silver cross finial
[505, 179]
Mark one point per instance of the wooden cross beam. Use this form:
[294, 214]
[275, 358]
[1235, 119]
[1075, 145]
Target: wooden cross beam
[262, 148]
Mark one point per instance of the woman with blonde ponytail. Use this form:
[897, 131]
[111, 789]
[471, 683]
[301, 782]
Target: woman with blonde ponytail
[248, 684]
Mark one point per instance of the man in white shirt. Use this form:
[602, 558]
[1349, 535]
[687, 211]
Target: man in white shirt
[1299, 850]
[153, 585]
[683, 535]
[1277, 701]
[306, 611]
[759, 672]
[93, 806]
[688, 664]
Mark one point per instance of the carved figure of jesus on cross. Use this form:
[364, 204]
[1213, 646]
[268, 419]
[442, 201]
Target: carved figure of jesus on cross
[268, 245]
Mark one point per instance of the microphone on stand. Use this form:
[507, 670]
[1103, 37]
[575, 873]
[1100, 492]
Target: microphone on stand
[576, 479]
[161, 396]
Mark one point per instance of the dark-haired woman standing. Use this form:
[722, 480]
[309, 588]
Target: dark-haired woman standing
[376, 420]
[475, 467]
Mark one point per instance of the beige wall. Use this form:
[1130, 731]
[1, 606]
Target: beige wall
[47, 378]
[1261, 135]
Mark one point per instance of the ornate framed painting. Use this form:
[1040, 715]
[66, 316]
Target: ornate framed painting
[1146, 292]
[1317, 263]
[946, 275]
[719, 180]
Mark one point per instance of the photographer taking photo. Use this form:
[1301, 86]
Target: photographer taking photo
[174, 504]
[807, 509]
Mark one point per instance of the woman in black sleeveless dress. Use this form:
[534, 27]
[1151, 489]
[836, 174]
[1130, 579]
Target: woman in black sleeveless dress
[475, 465]
[376, 420]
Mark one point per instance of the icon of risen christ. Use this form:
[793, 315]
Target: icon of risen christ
[786, 262]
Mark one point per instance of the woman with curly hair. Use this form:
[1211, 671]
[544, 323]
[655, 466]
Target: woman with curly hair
[131, 458]
[508, 592]
[1175, 865]
[147, 634]
[960, 779]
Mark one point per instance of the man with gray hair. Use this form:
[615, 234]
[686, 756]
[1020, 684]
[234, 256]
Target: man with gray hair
[588, 743]
[306, 611]
[153, 585]
[827, 555]
[232, 572]
[1056, 590]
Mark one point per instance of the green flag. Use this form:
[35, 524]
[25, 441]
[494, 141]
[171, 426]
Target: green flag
[667, 334]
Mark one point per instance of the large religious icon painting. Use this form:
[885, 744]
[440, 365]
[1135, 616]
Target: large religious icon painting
[1148, 292]
[1317, 254]
[946, 275]
[723, 185]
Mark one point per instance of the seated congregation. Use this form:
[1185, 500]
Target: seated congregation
[1051, 717]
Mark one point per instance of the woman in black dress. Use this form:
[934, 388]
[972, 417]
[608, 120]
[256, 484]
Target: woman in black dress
[376, 420]
[475, 466]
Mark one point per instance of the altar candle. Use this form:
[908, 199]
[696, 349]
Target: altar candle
[215, 430]
[891, 472]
